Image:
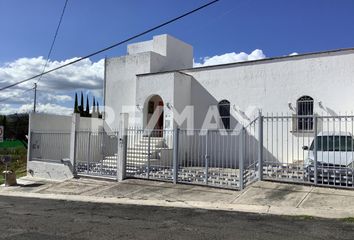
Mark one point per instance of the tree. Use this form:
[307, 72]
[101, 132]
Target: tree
[98, 111]
[81, 108]
[87, 112]
[76, 105]
[94, 110]
[94, 105]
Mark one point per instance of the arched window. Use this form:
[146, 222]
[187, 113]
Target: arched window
[224, 112]
[304, 108]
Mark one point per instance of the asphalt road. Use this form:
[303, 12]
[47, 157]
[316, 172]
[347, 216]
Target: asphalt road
[27, 219]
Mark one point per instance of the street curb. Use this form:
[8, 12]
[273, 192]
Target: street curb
[259, 209]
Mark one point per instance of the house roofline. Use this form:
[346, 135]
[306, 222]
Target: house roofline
[259, 61]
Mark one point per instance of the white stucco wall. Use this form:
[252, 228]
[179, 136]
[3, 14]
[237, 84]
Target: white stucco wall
[271, 84]
[175, 90]
[178, 54]
[49, 123]
[41, 122]
[120, 84]
[160, 54]
[149, 86]
[53, 144]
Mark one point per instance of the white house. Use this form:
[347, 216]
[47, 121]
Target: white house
[300, 97]
[160, 72]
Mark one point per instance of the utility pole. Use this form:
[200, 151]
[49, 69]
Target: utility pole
[35, 97]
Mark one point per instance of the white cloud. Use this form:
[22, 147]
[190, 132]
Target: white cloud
[59, 98]
[55, 90]
[231, 58]
[84, 74]
[47, 108]
[25, 108]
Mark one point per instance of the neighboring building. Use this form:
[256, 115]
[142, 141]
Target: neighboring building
[160, 72]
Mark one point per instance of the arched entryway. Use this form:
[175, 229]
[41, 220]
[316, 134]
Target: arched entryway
[154, 115]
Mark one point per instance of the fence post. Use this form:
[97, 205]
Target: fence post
[74, 127]
[149, 156]
[260, 147]
[206, 158]
[88, 152]
[29, 145]
[242, 156]
[103, 148]
[122, 146]
[315, 149]
[175, 154]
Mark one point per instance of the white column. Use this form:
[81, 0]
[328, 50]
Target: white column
[75, 122]
[122, 146]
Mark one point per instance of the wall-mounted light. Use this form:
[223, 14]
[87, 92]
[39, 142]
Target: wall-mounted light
[290, 105]
[320, 105]
[139, 107]
[239, 111]
[169, 105]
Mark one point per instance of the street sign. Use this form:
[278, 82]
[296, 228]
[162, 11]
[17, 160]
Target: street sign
[1, 133]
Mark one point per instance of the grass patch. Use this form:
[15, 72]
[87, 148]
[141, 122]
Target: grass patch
[11, 144]
[18, 163]
[348, 219]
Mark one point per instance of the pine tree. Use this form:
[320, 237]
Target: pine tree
[94, 105]
[76, 107]
[87, 112]
[81, 108]
[94, 111]
[98, 111]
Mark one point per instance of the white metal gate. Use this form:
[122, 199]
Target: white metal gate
[217, 158]
[96, 153]
[150, 154]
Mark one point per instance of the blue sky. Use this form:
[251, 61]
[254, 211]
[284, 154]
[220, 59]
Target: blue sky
[276, 27]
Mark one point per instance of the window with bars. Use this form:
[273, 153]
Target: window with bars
[224, 112]
[304, 108]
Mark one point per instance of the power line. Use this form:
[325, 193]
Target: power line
[48, 56]
[54, 39]
[114, 45]
[5, 99]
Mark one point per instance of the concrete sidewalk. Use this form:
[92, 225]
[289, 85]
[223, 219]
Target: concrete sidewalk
[261, 197]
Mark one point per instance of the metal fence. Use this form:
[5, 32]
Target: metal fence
[321, 154]
[49, 146]
[209, 157]
[204, 157]
[96, 153]
[149, 154]
[252, 151]
[315, 150]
